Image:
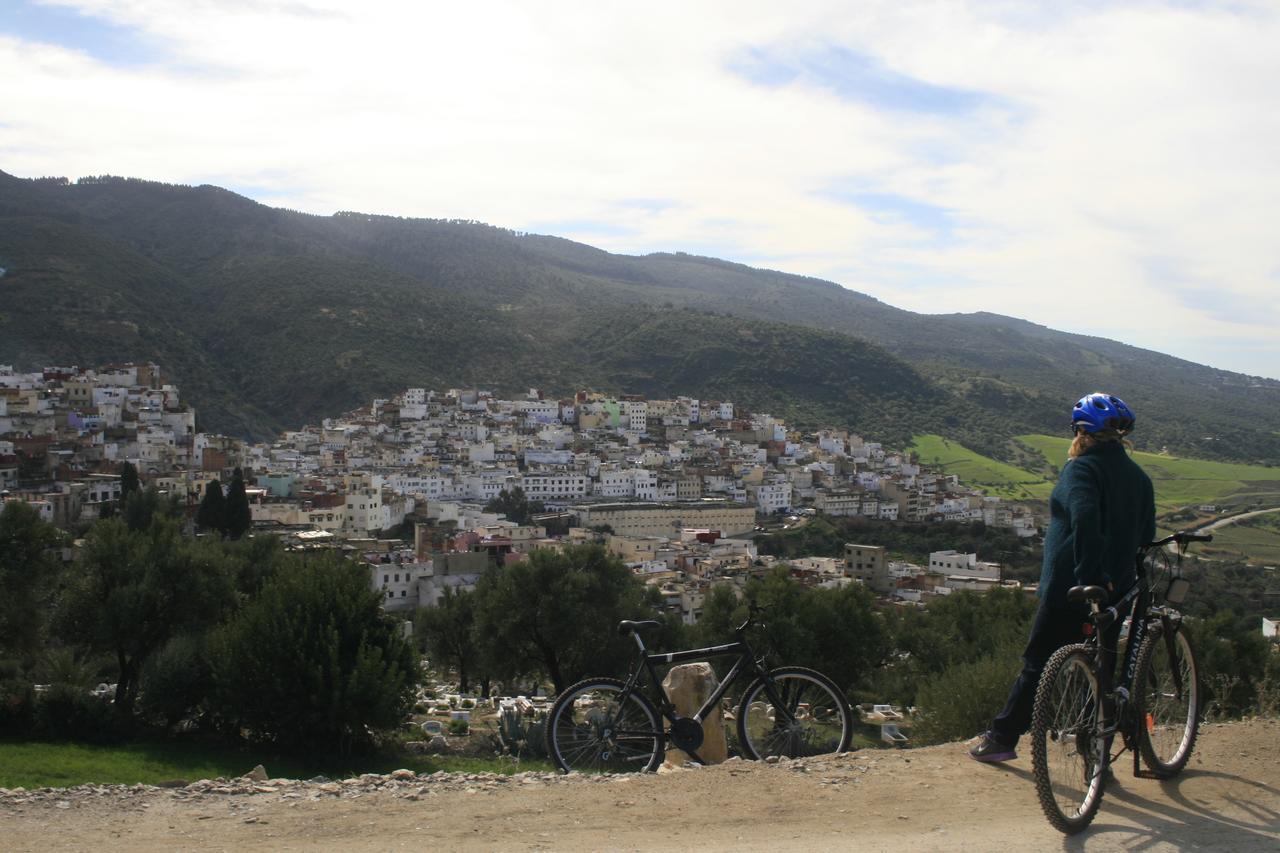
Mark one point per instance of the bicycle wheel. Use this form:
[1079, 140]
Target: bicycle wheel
[1166, 701]
[793, 712]
[592, 728]
[1068, 757]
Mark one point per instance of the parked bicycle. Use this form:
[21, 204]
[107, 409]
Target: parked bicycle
[1154, 705]
[610, 725]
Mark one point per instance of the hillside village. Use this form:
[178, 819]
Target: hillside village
[677, 488]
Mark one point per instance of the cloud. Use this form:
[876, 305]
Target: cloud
[1049, 161]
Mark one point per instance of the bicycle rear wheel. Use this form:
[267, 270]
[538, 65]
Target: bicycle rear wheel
[793, 712]
[598, 726]
[1068, 757]
[1166, 701]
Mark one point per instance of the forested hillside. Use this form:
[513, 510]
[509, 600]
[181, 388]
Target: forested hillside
[269, 318]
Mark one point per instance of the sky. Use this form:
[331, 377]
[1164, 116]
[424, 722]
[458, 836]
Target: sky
[1107, 168]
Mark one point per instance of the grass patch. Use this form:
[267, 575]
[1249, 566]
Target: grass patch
[974, 469]
[1256, 540]
[58, 765]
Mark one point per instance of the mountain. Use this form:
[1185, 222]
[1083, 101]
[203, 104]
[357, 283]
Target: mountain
[269, 318]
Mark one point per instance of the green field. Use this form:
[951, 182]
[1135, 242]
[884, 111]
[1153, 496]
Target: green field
[58, 765]
[973, 469]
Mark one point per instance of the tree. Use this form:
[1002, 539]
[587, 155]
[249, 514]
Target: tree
[28, 572]
[444, 632]
[514, 505]
[834, 631]
[237, 518]
[313, 662]
[139, 588]
[140, 508]
[129, 482]
[213, 508]
[557, 613]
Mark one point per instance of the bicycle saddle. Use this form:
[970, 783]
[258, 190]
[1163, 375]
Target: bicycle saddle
[1087, 593]
[626, 626]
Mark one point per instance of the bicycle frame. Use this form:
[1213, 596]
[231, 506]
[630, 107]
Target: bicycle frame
[1141, 614]
[746, 662]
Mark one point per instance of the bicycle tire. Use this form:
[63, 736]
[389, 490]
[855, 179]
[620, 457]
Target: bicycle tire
[1167, 713]
[591, 729]
[817, 720]
[1068, 758]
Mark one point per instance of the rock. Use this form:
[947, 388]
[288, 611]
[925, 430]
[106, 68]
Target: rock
[688, 686]
[257, 774]
[172, 783]
[403, 774]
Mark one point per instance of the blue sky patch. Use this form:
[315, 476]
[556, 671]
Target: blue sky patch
[104, 41]
[892, 209]
[854, 76]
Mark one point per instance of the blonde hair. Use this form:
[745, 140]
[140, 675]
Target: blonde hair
[1086, 441]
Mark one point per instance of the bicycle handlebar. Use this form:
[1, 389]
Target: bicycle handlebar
[1182, 538]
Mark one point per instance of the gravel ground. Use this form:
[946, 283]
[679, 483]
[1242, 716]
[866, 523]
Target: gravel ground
[933, 798]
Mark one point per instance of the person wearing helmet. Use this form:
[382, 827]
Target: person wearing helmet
[1100, 512]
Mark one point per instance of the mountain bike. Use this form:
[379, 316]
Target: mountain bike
[609, 725]
[1154, 706]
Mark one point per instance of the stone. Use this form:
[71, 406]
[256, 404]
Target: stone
[257, 774]
[403, 774]
[688, 686]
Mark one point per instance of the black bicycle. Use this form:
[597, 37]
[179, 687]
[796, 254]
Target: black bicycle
[609, 725]
[1154, 706]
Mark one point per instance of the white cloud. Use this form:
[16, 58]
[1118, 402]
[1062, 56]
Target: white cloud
[1115, 174]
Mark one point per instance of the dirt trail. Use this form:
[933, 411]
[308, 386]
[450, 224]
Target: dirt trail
[924, 799]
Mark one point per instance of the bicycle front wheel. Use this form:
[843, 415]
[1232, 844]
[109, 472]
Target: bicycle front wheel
[1166, 701]
[793, 712]
[598, 726]
[1068, 756]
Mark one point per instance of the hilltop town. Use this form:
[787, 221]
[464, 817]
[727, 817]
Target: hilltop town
[677, 488]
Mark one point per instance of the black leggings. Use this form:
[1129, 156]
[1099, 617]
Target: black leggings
[1054, 627]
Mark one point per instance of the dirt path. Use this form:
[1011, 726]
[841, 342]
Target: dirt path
[924, 799]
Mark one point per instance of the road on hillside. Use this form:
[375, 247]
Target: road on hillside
[1232, 519]
[932, 799]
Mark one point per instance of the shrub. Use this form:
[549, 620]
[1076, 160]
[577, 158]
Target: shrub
[960, 702]
[17, 708]
[520, 739]
[175, 682]
[459, 727]
[68, 712]
[312, 663]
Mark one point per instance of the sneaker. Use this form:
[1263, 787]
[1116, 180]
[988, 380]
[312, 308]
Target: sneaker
[990, 750]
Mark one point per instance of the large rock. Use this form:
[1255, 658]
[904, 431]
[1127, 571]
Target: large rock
[689, 685]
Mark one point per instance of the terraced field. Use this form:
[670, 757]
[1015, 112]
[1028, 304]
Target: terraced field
[974, 469]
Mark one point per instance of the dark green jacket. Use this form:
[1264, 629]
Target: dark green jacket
[1101, 511]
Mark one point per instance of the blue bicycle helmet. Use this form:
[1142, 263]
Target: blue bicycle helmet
[1098, 411]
